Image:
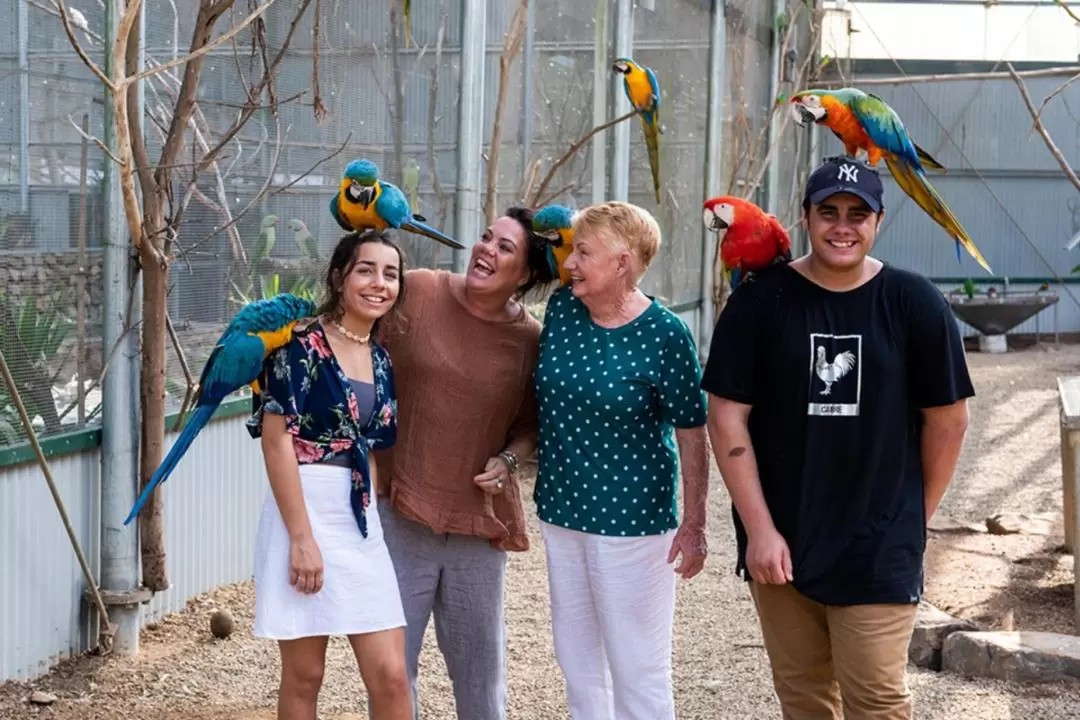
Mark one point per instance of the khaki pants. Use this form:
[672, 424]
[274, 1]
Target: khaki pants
[830, 661]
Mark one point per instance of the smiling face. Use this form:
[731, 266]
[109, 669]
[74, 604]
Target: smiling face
[842, 231]
[372, 286]
[499, 262]
[597, 268]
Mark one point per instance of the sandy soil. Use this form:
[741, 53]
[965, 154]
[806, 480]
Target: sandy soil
[1010, 464]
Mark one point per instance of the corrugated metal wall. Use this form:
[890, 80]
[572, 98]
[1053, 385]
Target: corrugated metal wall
[42, 615]
[212, 505]
[1002, 184]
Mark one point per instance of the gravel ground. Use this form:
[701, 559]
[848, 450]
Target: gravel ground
[720, 666]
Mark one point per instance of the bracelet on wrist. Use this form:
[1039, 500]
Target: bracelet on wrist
[511, 460]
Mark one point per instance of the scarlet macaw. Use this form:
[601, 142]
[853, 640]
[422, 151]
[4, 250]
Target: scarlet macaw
[643, 92]
[750, 239]
[363, 201]
[237, 360]
[866, 122]
[553, 222]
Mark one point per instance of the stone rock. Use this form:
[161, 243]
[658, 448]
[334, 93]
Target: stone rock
[932, 626]
[221, 624]
[1019, 523]
[39, 697]
[943, 524]
[1013, 656]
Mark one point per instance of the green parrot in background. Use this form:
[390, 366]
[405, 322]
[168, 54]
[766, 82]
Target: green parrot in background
[410, 183]
[304, 239]
[267, 237]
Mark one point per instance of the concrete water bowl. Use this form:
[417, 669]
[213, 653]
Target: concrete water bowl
[995, 315]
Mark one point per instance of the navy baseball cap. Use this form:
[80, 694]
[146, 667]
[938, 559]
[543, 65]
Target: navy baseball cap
[844, 174]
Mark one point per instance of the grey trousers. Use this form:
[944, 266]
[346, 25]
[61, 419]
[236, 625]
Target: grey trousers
[459, 579]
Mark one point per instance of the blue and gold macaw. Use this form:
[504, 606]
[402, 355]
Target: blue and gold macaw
[364, 202]
[643, 92]
[866, 122]
[554, 223]
[236, 360]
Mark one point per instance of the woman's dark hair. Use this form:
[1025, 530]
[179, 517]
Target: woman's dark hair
[536, 244]
[341, 264]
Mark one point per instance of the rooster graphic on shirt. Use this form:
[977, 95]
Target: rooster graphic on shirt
[835, 381]
[830, 372]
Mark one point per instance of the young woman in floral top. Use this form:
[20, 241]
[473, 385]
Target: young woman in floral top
[322, 566]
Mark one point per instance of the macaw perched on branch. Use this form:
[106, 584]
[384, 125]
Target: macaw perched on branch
[237, 360]
[643, 92]
[865, 122]
[750, 238]
[363, 202]
[553, 222]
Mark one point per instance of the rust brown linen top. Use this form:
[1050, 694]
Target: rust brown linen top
[464, 389]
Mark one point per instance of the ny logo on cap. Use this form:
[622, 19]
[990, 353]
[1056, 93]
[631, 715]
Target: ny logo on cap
[850, 173]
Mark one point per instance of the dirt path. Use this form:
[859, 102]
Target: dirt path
[721, 671]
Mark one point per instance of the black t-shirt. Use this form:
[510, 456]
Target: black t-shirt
[836, 381]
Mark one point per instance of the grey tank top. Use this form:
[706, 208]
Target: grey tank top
[365, 399]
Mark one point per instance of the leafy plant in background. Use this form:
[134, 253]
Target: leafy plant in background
[270, 286]
[31, 340]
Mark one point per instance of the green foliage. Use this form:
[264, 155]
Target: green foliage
[272, 286]
[29, 345]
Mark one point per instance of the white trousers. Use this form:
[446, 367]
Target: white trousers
[612, 615]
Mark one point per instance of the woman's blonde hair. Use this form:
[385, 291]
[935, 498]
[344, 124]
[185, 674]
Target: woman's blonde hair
[622, 225]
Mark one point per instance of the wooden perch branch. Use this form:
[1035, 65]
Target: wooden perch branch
[573, 150]
[956, 77]
[1042, 129]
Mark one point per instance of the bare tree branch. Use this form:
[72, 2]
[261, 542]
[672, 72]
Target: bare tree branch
[511, 47]
[574, 148]
[213, 11]
[1042, 129]
[94, 140]
[1062, 88]
[70, 32]
[262, 194]
[1061, 4]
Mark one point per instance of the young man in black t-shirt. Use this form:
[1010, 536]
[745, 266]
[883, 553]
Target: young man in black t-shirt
[838, 394]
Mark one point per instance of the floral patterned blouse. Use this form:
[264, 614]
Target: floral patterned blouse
[304, 382]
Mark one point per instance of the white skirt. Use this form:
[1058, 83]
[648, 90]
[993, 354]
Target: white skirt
[360, 591]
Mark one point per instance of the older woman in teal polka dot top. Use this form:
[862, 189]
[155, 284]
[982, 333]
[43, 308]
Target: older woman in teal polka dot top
[617, 382]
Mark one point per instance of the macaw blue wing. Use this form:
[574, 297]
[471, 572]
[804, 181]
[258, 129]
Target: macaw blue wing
[234, 363]
[884, 127]
[393, 207]
[336, 214]
[655, 85]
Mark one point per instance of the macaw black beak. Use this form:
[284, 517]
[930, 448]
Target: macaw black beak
[804, 116]
[367, 195]
[554, 238]
[718, 224]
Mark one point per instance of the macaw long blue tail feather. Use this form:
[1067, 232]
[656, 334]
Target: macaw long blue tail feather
[198, 419]
[420, 228]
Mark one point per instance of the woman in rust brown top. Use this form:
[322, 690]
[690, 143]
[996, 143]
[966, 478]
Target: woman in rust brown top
[463, 355]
